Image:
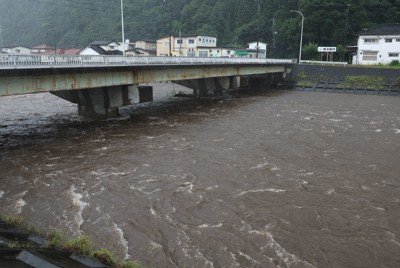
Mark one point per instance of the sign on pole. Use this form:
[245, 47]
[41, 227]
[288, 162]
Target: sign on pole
[326, 49]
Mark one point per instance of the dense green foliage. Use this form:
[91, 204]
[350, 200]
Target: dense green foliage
[74, 23]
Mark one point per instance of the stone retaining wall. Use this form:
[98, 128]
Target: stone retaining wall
[339, 73]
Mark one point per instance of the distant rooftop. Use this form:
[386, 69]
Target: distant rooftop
[103, 43]
[384, 29]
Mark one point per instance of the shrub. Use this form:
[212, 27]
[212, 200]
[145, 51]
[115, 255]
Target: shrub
[395, 63]
[104, 256]
[81, 246]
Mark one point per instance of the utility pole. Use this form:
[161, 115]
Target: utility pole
[123, 29]
[258, 26]
[1, 39]
[170, 33]
[345, 30]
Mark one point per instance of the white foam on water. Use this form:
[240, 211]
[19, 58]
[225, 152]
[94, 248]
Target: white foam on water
[154, 213]
[396, 131]
[330, 192]
[378, 130]
[79, 204]
[336, 120]
[154, 246]
[306, 174]
[1, 193]
[210, 188]
[187, 187]
[260, 165]
[206, 225]
[275, 168]
[272, 190]
[309, 118]
[250, 259]
[123, 241]
[19, 205]
[288, 258]
[20, 202]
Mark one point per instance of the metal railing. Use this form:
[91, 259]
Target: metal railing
[21, 61]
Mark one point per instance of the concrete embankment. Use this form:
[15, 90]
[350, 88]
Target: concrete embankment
[345, 79]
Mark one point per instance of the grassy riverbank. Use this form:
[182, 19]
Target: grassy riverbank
[56, 240]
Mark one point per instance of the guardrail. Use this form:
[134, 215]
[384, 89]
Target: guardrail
[20, 61]
[313, 62]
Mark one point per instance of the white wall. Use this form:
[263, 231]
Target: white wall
[378, 49]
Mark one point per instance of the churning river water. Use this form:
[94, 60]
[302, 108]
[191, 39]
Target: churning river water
[278, 179]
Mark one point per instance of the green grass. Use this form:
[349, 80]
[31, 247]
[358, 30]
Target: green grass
[81, 246]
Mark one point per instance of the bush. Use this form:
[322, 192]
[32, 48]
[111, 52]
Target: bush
[81, 246]
[395, 63]
[104, 256]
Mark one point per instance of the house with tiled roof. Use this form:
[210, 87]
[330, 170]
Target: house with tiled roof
[378, 45]
[102, 48]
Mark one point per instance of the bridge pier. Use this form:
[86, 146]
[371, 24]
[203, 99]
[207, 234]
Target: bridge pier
[104, 102]
[214, 86]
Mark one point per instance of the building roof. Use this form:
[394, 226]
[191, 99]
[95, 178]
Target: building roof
[103, 43]
[44, 46]
[60, 51]
[101, 51]
[384, 29]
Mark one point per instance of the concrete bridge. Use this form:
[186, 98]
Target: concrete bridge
[101, 84]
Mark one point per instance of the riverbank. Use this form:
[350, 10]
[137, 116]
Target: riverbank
[24, 245]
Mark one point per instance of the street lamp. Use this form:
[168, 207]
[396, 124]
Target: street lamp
[122, 25]
[258, 26]
[170, 33]
[301, 35]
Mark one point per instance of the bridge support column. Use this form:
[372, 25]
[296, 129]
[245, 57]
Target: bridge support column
[211, 86]
[104, 102]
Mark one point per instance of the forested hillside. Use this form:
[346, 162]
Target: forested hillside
[74, 23]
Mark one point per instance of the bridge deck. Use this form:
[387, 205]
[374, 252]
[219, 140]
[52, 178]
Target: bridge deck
[20, 61]
[24, 74]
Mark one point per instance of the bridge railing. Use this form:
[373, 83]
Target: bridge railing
[29, 61]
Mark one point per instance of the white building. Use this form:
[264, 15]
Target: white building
[17, 50]
[378, 45]
[190, 46]
[102, 48]
[261, 52]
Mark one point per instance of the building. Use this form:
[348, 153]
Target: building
[378, 45]
[102, 48]
[257, 50]
[187, 46]
[16, 50]
[142, 48]
[41, 49]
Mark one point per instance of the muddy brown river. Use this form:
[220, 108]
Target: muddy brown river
[281, 179]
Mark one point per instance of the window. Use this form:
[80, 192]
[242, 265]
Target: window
[203, 54]
[371, 40]
[394, 55]
[397, 39]
[179, 41]
[191, 41]
[370, 56]
[388, 40]
[191, 54]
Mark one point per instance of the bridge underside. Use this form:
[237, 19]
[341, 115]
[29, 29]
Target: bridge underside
[99, 92]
